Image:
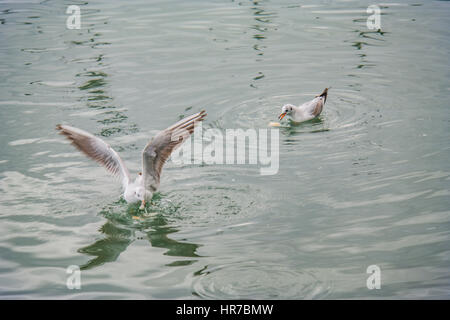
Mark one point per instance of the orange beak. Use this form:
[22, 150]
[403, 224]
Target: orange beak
[281, 116]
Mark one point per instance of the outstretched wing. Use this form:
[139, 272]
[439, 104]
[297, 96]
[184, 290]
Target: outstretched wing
[158, 150]
[96, 149]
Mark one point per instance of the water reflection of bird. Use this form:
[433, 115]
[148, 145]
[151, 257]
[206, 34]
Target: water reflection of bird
[307, 111]
[154, 155]
[119, 232]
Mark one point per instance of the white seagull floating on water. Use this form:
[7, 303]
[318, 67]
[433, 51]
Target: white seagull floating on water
[154, 155]
[307, 111]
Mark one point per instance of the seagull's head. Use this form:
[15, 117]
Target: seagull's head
[286, 109]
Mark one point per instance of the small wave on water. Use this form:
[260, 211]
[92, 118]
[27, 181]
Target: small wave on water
[254, 280]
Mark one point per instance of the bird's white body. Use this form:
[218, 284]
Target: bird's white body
[135, 191]
[307, 111]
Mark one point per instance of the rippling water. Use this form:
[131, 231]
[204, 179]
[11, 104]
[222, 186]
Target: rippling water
[366, 183]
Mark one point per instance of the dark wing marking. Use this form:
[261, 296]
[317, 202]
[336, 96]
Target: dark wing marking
[324, 94]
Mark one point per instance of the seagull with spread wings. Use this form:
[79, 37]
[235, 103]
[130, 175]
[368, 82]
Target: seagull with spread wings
[154, 155]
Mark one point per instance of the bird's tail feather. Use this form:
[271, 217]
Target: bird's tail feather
[324, 94]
